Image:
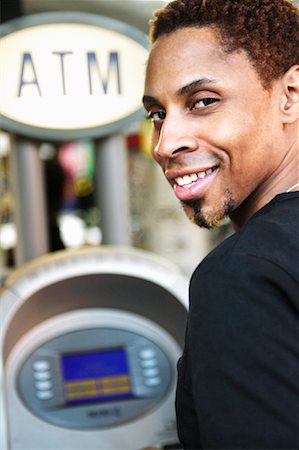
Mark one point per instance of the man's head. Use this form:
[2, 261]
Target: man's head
[222, 91]
[268, 30]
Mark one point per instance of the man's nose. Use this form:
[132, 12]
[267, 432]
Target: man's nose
[175, 137]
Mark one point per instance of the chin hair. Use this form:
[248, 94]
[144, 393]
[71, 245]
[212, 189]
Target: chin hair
[212, 219]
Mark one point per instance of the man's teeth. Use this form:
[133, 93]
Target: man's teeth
[188, 179]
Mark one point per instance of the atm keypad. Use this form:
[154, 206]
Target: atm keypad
[150, 367]
[42, 376]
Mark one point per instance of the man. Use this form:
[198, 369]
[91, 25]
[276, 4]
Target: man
[222, 90]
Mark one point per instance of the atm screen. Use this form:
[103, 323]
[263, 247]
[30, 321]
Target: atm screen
[99, 375]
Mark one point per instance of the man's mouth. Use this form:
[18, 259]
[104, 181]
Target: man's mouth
[194, 185]
[187, 180]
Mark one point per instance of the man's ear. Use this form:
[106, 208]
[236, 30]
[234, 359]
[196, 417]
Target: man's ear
[289, 104]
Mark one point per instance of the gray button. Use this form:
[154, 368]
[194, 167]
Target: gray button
[147, 363]
[155, 381]
[41, 365]
[43, 385]
[152, 372]
[44, 395]
[41, 376]
[147, 353]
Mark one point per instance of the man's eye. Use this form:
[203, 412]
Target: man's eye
[204, 102]
[156, 116]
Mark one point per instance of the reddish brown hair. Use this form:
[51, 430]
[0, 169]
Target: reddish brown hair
[268, 30]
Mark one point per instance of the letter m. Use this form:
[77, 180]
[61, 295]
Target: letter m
[112, 74]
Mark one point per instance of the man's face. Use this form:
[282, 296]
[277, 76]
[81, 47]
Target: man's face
[217, 134]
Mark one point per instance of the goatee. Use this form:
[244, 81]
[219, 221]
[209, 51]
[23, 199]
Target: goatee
[208, 219]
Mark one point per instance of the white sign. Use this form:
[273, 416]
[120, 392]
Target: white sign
[79, 75]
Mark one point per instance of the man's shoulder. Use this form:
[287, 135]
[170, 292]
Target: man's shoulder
[271, 235]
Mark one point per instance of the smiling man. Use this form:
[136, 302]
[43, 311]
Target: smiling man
[222, 90]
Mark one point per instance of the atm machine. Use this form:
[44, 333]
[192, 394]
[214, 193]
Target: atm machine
[89, 344]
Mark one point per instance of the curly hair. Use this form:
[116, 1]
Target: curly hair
[267, 30]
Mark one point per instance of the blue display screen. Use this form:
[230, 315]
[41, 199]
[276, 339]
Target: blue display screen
[96, 376]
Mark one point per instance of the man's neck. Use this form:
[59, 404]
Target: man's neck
[284, 179]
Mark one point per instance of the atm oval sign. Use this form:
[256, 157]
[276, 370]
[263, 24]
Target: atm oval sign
[70, 75]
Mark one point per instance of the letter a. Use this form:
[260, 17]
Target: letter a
[28, 66]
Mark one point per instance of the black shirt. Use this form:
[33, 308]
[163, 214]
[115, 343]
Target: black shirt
[238, 385]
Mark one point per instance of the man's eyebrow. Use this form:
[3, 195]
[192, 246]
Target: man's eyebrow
[148, 99]
[195, 84]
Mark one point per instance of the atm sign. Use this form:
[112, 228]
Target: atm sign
[65, 74]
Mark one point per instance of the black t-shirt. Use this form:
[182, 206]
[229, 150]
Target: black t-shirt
[238, 385]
